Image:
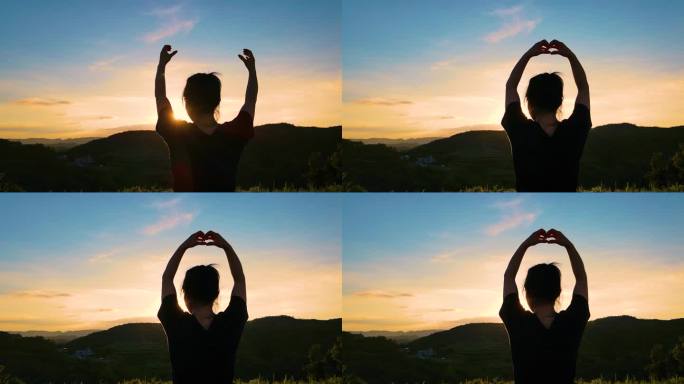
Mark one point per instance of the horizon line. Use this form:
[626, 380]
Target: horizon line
[435, 330]
[464, 129]
[157, 322]
[107, 132]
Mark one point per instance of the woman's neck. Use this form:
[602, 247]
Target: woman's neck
[548, 122]
[545, 313]
[204, 315]
[206, 123]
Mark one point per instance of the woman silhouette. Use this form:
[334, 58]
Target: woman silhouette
[544, 343]
[546, 151]
[204, 154]
[203, 344]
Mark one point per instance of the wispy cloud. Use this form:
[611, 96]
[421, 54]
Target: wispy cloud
[382, 101]
[105, 64]
[168, 222]
[166, 204]
[514, 23]
[513, 216]
[173, 22]
[103, 257]
[382, 294]
[39, 294]
[43, 102]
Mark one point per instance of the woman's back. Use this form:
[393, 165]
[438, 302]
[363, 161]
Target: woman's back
[200, 355]
[540, 354]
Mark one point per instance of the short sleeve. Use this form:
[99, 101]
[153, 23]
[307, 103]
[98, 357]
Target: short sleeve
[513, 118]
[236, 311]
[169, 311]
[241, 127]
[165, 120]
[511, 310]
[579, 308]
[580, 120]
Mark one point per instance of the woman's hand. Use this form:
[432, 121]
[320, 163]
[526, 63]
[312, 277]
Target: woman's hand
[559, 48]
[538, 237]
[248, 59]
[554, 236]
[165, 55]
[216, 240]
[539, 48]
[194, 240]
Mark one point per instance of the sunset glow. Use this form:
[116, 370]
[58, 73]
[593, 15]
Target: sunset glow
[71, 263]
[445, 72]
[411, 263]
[81, 73]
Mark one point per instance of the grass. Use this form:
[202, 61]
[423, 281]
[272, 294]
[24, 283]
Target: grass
[335, 380]
[674, 380]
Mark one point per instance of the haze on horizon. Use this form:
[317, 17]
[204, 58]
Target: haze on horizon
[412, 71]
[94, 261]
[87, 68]
[411, 263]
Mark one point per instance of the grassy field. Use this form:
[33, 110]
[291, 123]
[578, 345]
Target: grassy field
[255, 381]
[676, 380]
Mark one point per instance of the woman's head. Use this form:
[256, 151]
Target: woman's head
[542, 285]
[201, 286]
[544, 94]
[202, 94]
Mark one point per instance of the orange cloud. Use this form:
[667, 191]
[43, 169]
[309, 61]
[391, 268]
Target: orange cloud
[43, 102]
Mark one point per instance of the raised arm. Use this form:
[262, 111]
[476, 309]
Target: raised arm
[164, 110]
[252, 83]
[577, 71]
[581, 285]
[514, 265]
[168, 288]
[239, 284]
[537, 49]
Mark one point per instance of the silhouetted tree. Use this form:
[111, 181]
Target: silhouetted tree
[664, 363]
[665, 172]
[6, 378]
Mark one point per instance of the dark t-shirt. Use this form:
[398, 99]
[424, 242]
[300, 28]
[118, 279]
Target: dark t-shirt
[202, 162]
[543, 355]
[201, 355]
[546, 163]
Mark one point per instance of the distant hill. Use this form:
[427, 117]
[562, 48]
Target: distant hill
[270, 347]
[279, 155]
[58, 144]
[400, 144]
[58, 337]
[401, 337]
[615, 155]
[611, 347]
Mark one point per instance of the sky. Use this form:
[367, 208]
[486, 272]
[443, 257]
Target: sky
[79, 68]
[425, 262]
[439, 67]
[74, 262]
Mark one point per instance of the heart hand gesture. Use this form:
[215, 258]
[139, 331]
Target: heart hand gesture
[539, 48]
[216, 240]
[559, 48]
[554, 236]
[537, 237]
[194, 240]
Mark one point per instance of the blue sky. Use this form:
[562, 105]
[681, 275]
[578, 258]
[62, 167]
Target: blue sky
[417, 261]
[95, 260]
[417, 52]
[95, 57]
